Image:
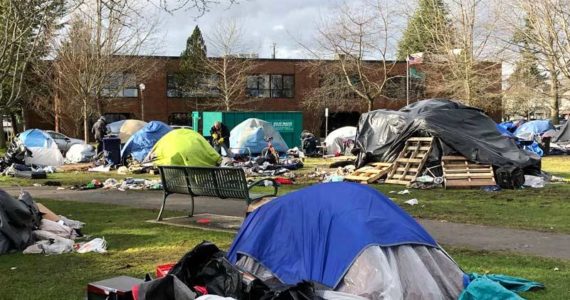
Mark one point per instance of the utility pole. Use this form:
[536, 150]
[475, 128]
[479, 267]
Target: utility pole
[274, 47]
[142, 87]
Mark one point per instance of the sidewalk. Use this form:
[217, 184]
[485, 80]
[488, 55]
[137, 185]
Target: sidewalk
[479, 237]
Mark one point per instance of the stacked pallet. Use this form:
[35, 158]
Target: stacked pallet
[410, 161]
[370, 173]
[458, 172]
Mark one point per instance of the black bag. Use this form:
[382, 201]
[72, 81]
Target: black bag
[509, 177]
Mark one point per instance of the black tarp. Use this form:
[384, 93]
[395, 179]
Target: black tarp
[563, 136]
[458, 129]
[17, 220]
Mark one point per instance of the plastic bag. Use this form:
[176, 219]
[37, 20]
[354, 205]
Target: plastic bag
[58, 228]
[98, 245]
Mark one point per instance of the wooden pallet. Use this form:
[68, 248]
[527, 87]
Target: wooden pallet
[410, 161]
[370, 173]
[458, 172]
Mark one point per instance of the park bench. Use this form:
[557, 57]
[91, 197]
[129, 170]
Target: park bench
[223, 183]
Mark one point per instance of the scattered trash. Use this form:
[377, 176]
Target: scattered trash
[103, 169]
[412, 202]
[425, 179]
[37, 184]
[491, 188]
[533, 181]
[404, 192]
[333, 178]
[556, 269]
[123, 170]
[97, 245]
[391, 192]
[13, 268]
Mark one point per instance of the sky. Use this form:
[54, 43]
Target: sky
[284, 22]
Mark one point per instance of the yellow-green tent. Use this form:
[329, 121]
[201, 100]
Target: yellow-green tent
[184, 147]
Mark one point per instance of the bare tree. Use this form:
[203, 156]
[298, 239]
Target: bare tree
[229, 72]
[358, 41]
[98, 60]
[25, 27]
[465, 60]
[546, 26]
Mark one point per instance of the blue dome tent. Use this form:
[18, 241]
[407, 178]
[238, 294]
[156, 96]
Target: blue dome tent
[351, 238]
[141, 143]
[319, 232]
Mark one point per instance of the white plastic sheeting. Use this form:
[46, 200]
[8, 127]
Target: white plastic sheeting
[115, 127]
[392, 273]
[335, 140]
[80, 153]
[44, 157]
[250, 135]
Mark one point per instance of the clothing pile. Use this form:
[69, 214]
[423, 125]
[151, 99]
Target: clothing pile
[34, 229]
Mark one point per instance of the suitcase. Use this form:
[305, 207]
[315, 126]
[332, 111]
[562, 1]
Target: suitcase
[116, 288]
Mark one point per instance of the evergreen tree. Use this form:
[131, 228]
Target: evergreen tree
[192, 67]
[426, 29]
[527, 83]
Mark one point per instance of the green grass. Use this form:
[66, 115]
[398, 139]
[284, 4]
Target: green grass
[136, 247]
[557, 165]
[544, 209]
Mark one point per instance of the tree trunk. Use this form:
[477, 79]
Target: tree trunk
[24, 125]
[15, 123]
[2, 136]
[85, 123]
[554, 107]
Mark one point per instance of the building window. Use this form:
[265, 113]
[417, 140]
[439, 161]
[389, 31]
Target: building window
[206, 88]
[114, 117]
[121, 85]
[271, 86]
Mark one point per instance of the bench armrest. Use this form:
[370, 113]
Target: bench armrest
[261, 181]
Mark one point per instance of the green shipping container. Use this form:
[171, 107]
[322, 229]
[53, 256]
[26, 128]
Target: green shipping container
[288, 123]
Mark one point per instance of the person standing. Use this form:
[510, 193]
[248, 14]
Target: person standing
[99, 131]
[220, 138]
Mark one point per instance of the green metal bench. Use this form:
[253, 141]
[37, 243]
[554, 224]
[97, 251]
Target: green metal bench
[216, 182]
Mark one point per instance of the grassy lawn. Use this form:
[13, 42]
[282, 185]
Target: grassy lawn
[136, 247]
[545, 209]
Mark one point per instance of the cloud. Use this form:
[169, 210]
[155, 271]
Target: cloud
[278, 27]
[265, 22]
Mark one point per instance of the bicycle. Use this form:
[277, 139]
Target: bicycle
[269, 153]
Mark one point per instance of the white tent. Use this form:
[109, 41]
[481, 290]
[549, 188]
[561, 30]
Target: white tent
[337, 140]
[251, 134]
[80, 153]
[44, 149]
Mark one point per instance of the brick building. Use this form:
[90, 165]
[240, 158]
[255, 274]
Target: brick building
[275, 84]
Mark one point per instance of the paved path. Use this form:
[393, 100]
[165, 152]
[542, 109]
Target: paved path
[480, 237]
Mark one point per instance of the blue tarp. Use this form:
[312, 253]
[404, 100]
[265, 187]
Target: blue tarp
[316, 233]
[36, 138]
[140, 143]
[529, 130]
[504, 130]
